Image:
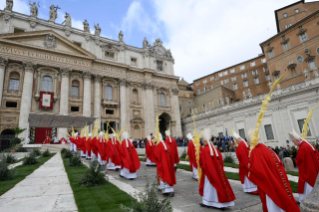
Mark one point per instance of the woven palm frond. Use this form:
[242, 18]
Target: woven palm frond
[305, 127]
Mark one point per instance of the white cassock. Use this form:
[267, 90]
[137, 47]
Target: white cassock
[249, 186]
[210, 196]
[195, 176]
[271, 206]
[165, 187]
[126, 173]
[307, 190]
[56, 140]
[149, 162]
[111, 166]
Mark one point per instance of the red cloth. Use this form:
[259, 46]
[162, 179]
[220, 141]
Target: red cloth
[82, 144]
[94, 146]
[63, 140]
[129, 157]
[307, 161]
[88, 146]
[165, 164]
[113, 146]
[191, 152]
[101, 146]
[170, 141]
[242, 153]
[213, 168]
[150, 151]
[268, 172]
[75, 140]
[47, 140]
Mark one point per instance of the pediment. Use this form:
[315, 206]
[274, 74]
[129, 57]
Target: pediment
[48, 40]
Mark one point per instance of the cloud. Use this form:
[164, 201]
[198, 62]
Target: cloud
[208, 35]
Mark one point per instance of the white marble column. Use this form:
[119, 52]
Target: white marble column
[149, 110]
[87, 94]
[176, 112]
[64, 98]
[3, 64]
[97, 99]
[26, 98]
[123, 103]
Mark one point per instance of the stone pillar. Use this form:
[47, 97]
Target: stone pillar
[123, 103]
[3, 64]
[97, 99]
[87, 94]
[64, 98]
[311, 202]
[26, 98]
[149, 110]
[176, 112]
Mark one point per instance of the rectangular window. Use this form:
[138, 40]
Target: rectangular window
[252, 64]
[77, 43]
[287, 26]
[245, 83]
[159, 65]
[212, 78]
[109, 112]
[267, 77]
[220, 134]
[109, 54]
[303, 37]
[232, 70]
[197, 83]
[301, 122]
[225, 73]
[265, 69]
[256, 80]
[14, 84]
[242, 67]
[254, 72]
[271, 54]
[269, 133]
[133, 61]
[18, 30]
[235, 86]
[226, 81]
[263, 60]
[222, 82]
[206, 89]
[244, 75]
[233, 79]
[242, 133]
[220, 74]
[276, 76]
[11, 104]
[312, 64]
[75, 109]
[286, 46]
[75, 91]
[204, 81]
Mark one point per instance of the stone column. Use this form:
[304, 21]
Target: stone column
[64, 98]
[149, 110]
[176, 112]
[3, 64]
[26, 98]
[97, 99]
[123, 103]
[87, 94]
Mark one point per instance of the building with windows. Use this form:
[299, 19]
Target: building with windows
[234, 95]
[49, 68]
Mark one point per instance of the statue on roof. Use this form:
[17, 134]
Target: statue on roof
[33, 9]
[97, 30]
[53, 13]
[145, 43]
[121, 36]
[86, 26]
[9, 5]
[68, 20]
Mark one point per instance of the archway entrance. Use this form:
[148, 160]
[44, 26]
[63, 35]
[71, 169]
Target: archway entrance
[164, 123]
[5, 138]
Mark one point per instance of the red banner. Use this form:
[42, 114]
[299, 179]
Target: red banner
[46, 100]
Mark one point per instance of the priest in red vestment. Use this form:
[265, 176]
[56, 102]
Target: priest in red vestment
[214, 186]
[101, 149]
[170, 141]
[82, 145]
[114, 157]
[63, 141]
[47, 140]
[165, 167]
[307, 161]
[75, 140]
[130, 161]
[191, 152]
[242, 152]
[149, 150]
[94, 148]
[88, 147]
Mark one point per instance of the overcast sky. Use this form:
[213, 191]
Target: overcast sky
[203, 35]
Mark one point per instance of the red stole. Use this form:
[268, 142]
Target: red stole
[88, 146]
[170, 141]
[113, 146]
[129, 157]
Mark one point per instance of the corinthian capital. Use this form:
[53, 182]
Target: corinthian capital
[3, 62]
[65, 72]
[29, 66]
[87, 75]
[123, 82]
[97, 78]
[175, 91]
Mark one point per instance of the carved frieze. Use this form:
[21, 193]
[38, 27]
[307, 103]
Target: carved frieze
[9, 119]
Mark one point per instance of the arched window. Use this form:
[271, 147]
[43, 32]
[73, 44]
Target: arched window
[162, 99]
[14, 81]
[108, 93]
[135, 96]
[47, 84]
[75, 88]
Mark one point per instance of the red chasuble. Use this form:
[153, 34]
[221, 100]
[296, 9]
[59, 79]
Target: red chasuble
[82, 144]
[191, 152]
[94, 146]
[170, 141]
[213, 168]
[75, 140]
[164, 164]
[242, 153]
[101, 146]
[129, 157]
[63, 140]
[88, 146]
[307, 161]
[113, 147]
[150, 148]
[268, 172]
[47, 140]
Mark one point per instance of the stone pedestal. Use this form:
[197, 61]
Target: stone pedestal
[289, 165]
[311, 202]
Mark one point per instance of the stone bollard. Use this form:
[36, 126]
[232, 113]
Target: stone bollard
[311, 202]
[289, 165]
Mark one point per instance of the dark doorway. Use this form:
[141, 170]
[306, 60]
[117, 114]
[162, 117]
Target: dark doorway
[112, 124]
[164, 123]
[5, 138]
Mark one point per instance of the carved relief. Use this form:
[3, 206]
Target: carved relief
[49, 41]
[87, 75]
[65, 71]
[29, 66]
[3, 62]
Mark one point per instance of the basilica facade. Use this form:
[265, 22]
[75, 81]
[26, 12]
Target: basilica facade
[49, 68]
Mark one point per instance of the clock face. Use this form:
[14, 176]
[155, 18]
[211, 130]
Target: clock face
[159, 50]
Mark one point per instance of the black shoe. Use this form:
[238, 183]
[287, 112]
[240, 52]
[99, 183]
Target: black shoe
[175, 168]
[117, 169]
[131, 178]
[169, 194]
[121, 175]
[203, 205]
[298, 202]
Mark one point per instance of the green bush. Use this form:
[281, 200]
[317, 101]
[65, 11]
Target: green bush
[68, 154]
[5, 172]
[36, 152]
[30, 159]
[93, 177]
[75, 161]
[21, 149]
[15, 141]
[184, 154]
[9, 158]
[228, 158]
[149, 201]
[46, 153]
[63, 150]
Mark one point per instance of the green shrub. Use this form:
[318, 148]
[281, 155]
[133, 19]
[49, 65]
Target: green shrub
[36, 152]
[63, 150]
[68, 154]
[228, 158]
[5, 172]
[9, 158]
[30, 159]
[184, 154]
[15, 141]
[75, 161]
[21, 149]
[93, 177]
[149, 201]
[46, 153]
